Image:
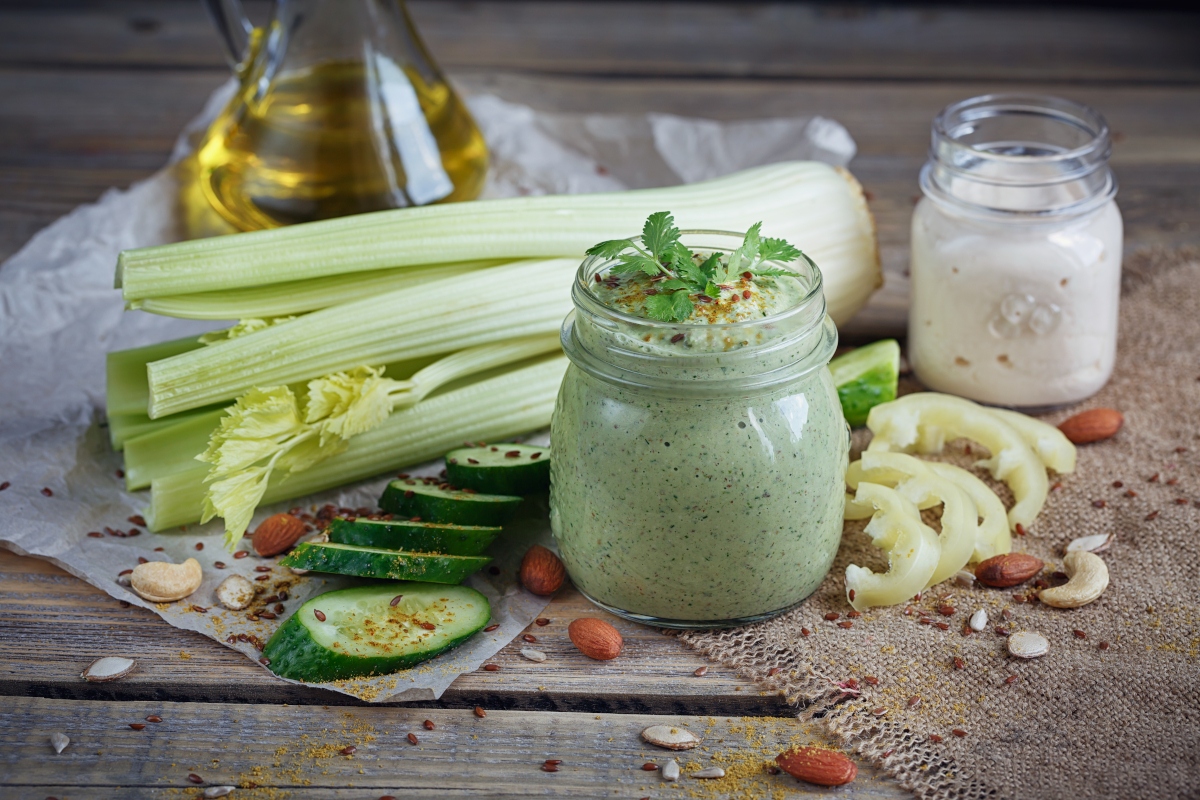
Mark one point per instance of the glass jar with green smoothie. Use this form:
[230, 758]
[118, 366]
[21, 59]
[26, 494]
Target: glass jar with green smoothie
[699, 446]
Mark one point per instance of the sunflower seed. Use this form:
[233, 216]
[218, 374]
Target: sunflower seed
[59, 741]
[965, 578]
[218, 791]
[1093, 544]
[533, 655]
[670, 772]
[709, 772]
[670, 737]
[108, 668]
[979, 620]
[1027, 644]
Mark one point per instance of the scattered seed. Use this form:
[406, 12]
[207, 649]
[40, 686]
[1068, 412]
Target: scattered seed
[871, 679]
[194, 778]
[154, 718]
[533, 655]
[137, 726]
[479, 712]
[1057, 486]
[649, 766]
[832, 615]
[944, 626]
[1117, 484]
[853, 614]
[846, 624]
[46, 491]
[914, 701]
[1011, 679]
[4, 486]
[933, 737]
[493, 570]
[412, 739]
[959, 732]
[266, 662]
[199, 609]
[218, 791]
[1153, 478]
[925, 621]
[879, 712]
[805, 632]
[670, 772]
[1079, 634]
[709, 773]
[771, 770]
[554, 761]
[219, 564]
[1131, 493]
[851, 595]
[959, 663]
[1173, 481]
[241, 554]
[1027, 644]
[1151, 515]
[319, 615]
[1003, 631]
[964, 578]
[59, 741]
[490, 628]
[541, 622]
[96, 535]
[491, 667]
[267, 614]
[946, 611]
[348, 750]
[773, 671]
[428, 626]
[529, 637]
[1020, 598]
[1099, 503]
[1103, 645]
[108, 668]
[1181, 501]
[701, 672]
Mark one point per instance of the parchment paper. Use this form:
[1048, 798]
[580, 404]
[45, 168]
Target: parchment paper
[59, 315]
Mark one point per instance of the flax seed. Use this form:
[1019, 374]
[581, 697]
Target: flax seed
[320, 615]
[137, 726]
[872, 680]
[649, 767]
[1080, 634]
[853, 614]
[805, 632]
[1011, 679]
[914, 701]
[428, 724]
[700, 672]
[194, 778]
[412, 739]
[846, 624]
[154, 718]
[541, 621]
[832, 615]
[490, 628]
[491, 667]
[241, 554]
[959, 732]
[774, 671]
[933, 737]
[479, 712]
[348, 750]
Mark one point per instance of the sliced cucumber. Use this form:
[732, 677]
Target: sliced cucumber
[454, 506]
[362, 633]
[500, 469]
[418, 537]
[375, 562]
[866, 377]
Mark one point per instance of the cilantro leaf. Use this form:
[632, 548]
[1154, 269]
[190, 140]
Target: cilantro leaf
[660, 234]
[694, 273]
[777, 250]
[709, 268]
[610, 249]
[713, 291]
[679, 255]
[636, 262]
[669, 307]
[674, 284]
[773, 272]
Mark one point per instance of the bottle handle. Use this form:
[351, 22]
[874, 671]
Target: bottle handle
[234, 28]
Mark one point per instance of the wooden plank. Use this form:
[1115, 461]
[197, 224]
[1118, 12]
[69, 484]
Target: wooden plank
[296, 750]
[777, 40]
[112, 127]
[53, 625]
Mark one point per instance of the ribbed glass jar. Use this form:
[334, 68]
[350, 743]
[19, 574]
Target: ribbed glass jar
[1016, 254]
[698, 473]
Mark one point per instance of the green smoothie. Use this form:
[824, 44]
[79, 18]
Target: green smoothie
[699, 463]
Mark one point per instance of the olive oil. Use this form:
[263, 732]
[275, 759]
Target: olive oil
[339, 138]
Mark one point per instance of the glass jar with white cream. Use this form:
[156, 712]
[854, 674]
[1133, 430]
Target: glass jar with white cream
[1016, 254]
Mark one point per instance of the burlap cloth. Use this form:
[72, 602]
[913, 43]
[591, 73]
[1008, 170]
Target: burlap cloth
[1082, 721]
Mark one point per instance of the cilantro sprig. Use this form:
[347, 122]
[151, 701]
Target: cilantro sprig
[684, 274]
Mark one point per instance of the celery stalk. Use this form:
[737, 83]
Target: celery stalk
[126, 389]
[522, 299]
[811, 204]
[123, 427]
[298, 297]
[169, 449]
[495, 408]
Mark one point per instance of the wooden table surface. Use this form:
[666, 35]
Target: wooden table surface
[92, 95]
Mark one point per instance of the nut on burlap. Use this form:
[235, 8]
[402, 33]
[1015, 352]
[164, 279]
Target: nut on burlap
[1070, 722]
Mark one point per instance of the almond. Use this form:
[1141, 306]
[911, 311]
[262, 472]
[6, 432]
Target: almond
[541, 571]
[595, 638]
[277, 534]
[1092, 425]
[817, 765]
[1008, 570]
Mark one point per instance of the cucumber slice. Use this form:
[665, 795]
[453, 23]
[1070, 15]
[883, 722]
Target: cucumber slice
[414, 537]
[500, 469]
[364, 634]
[866, 377]
[375, 562]
[454, 506]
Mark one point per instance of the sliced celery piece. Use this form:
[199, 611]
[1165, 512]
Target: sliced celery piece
[514, 402]
[298, 297]
[126, 389]
[809, 203]
[522, 299]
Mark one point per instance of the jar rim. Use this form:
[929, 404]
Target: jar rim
[583, 284]
[1081, 116]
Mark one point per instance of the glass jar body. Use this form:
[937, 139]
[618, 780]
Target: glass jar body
[697, 511]
[1016, 254]
[1021, 315]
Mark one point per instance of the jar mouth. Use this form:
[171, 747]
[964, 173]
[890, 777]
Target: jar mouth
[626, 349]
[712, 240]
[1016, 154]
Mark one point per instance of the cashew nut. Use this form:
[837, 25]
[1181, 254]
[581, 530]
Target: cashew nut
[162, 582]
[1088, 578]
